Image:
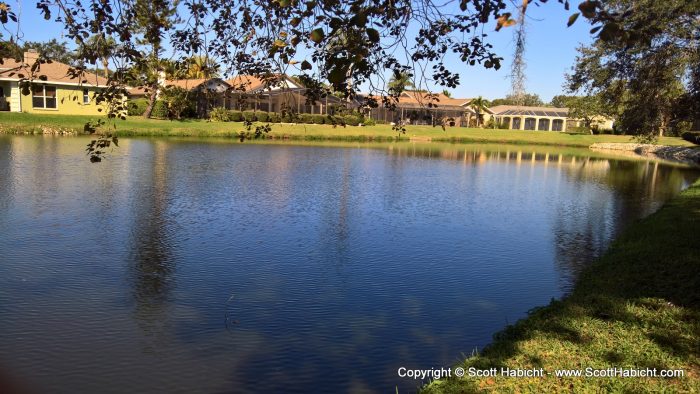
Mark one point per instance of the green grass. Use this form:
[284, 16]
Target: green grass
[31, 123]
[636, 307]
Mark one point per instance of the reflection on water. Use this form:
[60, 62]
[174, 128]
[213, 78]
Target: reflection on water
[152, 259]
[186, 266]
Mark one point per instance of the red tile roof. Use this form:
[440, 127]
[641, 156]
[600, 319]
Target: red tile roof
[54, 72]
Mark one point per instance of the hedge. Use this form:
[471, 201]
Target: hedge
[224, 115]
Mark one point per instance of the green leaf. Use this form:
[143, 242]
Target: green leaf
[305, 65]
[588, 8]
[572, 19]
[373, 35]
[317, 35]
[337, 75]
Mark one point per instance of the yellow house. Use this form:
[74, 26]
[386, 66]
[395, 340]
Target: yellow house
[51, 88]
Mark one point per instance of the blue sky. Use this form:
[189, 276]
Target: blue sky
[550, 53]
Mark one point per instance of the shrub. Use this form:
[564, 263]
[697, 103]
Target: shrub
[273, 117]
[219, 114]
[177, 102]
[318, 119]
[235, 116]
[370, 122]
[137, 107]
[263, 116]
[579, 130]
[288, 118]
[306, 118]
[160, 110]
[353, 119]
[681, 127]
[249, 116]
[492, 124]
[692, 136]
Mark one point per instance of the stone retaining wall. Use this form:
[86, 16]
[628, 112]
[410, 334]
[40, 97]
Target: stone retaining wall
[681, 154]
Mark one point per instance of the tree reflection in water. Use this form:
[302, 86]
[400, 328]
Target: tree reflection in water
[152, 262]
[582, 229]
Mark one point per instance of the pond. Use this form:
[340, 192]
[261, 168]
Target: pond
[215, 266]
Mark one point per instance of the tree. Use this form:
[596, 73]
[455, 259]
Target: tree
[52, 49]
[201, 67]
[479, 105]
[104, 47]
[177, 101]
[152, 19]
[644, 76]
[587, 109]
[399, 82]
[560, 100]
[446, 93]
[527, 99]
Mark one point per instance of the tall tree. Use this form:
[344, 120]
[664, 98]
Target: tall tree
[102, 48]
[527, 99]
[560, 100]
[153, 19]
[479, 105]
[643, 75]
[52, 49]
[399, 82]
[201, 66]
[587, 109]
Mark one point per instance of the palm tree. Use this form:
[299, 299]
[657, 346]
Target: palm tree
[103, 46]
[202, 67]
[446, 93]
[478, 104]
[400, 81]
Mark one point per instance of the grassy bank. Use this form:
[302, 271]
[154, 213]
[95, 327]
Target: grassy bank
[33, 123]
[637, 307]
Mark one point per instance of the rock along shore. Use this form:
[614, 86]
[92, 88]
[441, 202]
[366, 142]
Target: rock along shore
[680, 154]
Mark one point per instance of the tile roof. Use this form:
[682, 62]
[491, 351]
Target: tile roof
[416, 99]
[246, 82]
[55, 72]
[187, 84]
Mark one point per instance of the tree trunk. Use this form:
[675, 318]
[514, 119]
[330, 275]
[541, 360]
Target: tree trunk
[151, 101]
[105, 64]
[663, 125]
[155, 49]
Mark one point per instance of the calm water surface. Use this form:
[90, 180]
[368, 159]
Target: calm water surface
[185, 266]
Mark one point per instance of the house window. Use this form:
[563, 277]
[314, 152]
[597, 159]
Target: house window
[557, 124]
[529, 124]
[516, 124]
[2, 92]
[44, 96]
[86, 96]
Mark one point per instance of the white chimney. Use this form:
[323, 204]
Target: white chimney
[30, 57]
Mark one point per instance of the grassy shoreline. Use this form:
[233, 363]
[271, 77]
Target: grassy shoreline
[37, 124]
[636, 307]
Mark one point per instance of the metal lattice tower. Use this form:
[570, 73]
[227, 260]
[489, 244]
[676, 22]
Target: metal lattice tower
[517, 70]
